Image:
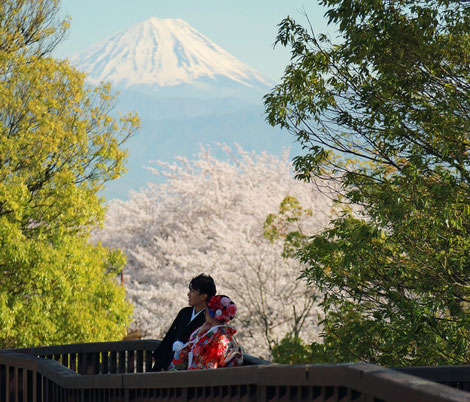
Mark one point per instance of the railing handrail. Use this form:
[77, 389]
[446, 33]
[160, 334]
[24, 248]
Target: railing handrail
[49, 368]
[382, 383]
[442, 374]
[116, 346]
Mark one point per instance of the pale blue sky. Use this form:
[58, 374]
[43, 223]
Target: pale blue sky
[245, 28]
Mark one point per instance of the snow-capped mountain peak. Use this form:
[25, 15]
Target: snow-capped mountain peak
[160, 53]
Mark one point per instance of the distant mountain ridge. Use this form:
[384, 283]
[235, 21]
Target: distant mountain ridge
[162, 53]
[187, 91]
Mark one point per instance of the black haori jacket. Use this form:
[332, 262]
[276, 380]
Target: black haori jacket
[180, 330]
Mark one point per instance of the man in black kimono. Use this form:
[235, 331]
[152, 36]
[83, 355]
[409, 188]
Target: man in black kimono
[201, 289]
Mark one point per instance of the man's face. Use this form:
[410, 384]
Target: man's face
[195, 298]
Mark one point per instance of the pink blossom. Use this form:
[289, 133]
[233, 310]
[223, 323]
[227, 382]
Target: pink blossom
[208, 217]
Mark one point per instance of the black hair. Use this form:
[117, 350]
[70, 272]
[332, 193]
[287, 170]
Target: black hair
[204, 284]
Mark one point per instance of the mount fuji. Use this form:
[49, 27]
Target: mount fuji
[167, 53]
[187, 91]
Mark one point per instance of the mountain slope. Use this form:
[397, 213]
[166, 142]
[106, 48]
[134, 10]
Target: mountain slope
[187, 91]
[165, 139]
[160, 53]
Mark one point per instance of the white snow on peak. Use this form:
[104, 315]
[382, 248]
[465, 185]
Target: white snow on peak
[162, 52]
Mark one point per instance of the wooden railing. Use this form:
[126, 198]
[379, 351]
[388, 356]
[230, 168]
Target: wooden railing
[107, 357]
[99, 358]
[453, 376]
[83, 373]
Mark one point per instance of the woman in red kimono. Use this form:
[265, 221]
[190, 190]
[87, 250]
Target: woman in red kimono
[213, 344]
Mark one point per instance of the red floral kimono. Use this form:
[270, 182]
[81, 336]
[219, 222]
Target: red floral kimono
[211, 348]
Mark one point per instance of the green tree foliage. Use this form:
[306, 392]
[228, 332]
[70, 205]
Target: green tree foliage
[291, 350]
[287, 225]
[384, 112]
[58, 146]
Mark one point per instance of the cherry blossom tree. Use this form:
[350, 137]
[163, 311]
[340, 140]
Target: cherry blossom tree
[208, 217]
